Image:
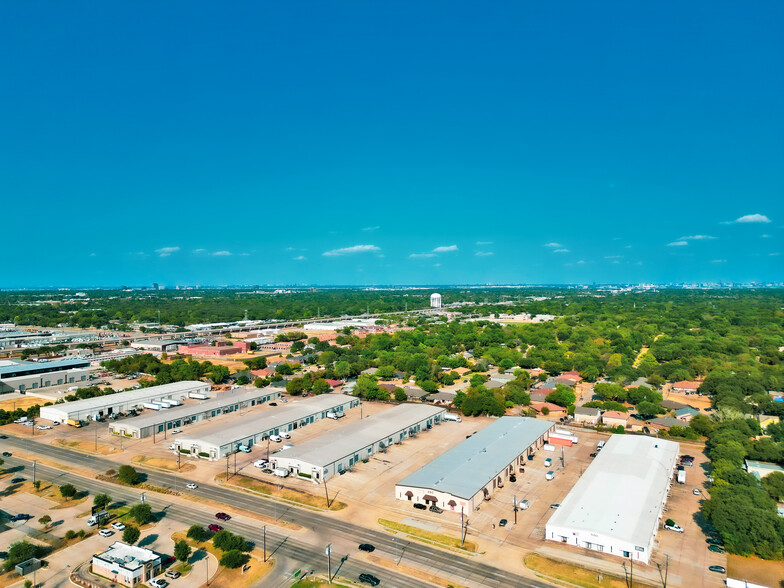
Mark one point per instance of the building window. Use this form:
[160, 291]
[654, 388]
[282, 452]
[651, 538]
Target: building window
[626, 553]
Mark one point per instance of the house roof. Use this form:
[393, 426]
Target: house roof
[687, 384]
[538, 406]
[615, 414]
[587, 411]
[686, 410]
[667, 422]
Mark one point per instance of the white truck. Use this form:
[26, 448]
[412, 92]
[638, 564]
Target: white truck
[152, 405]
[681, 475]
[335, 415]
[197, 396]
[98, 517]
[452, 417]
[281, 472]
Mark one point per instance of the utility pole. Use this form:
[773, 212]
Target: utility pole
[227, 467]
[515, 508]
[265, 542]
[207, 566]
[326, 491]
[329, 562]
[96, 437]
[34, 471]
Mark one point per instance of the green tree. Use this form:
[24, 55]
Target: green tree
[649, 410]
[234, 559]
[37, 485]
[197, 533]
[17, 553]
[320, 386]
[131, 534]
[400, 395]
[67, 491]
[774, 484]
[128, 475]
[343, 369]
[295, 386]
[218, 374]
[562, 396]
[141, 513]
[102, 500]
[182, 551]
[45, 520]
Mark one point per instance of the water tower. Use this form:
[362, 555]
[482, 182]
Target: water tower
[435, 301]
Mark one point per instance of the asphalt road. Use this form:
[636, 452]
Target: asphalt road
[441, 563]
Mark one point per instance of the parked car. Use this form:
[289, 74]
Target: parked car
[105, 533]
[502, 523]
[420, 506]
[555, 505]
[214, 528]
[222, 516]
[191, 486]
[594, 454]
[718, 569]
[176, 431]
[6, 454]
[173, 574]
[118, 526]
[369, 579]
[676, 528]
[715, 549]
[713, 541]
[696, 491]
[366, 547]
[17, 480]
[260, 463]
[20, 517]
[272, 404]
[285, 435]
[548, 462]
[43, 427]
[158, 583]
[524, 504]
[266, 471]
[436, 509]
[512, 478]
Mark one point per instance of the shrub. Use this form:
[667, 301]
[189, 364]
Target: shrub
[234, 559]
[141, 513]
[68, 491]
[197, 533]
[203, 454]
[182, 551]
[70, 534]
[131, 535]
[129, 475]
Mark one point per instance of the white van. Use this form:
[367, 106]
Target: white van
[275, 438]
[335, 415]
[524, 504]
[285, 435]
[452, 417]
[599, 445]
[549, 476]
[281, 472]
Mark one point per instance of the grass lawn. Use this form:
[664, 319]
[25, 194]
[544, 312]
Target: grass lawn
[429, 536]
[573, 574]
[166, 464]
[52, 492]
[316, 583]
[268, 489]
[86, 446]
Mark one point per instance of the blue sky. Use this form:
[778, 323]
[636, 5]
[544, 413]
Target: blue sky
[391, 142]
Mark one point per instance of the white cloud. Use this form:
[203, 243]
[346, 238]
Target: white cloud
[718, 261]
[677, 244]
[480, 243]
[300, 258]
[436, 265]
[749, 218]
[369, 229]
[222, 253]
[483, 253]
[92, 255]
[553, 244]
[199, 250]
[774, 254]
[581, 262]
[696, 238]
[613, 256]
[351, 250]
[445, 249]
[765, 236]
[560, 251]
[244, 254]
[418, 255]
[166, 251]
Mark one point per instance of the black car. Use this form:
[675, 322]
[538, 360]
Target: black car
[17, 480]
[502, 523]
[369, 579]
[6, 454]
[366, 547]
[3, 436]
[718, 569]
[20, 517]
[512, 478]
[272, 404]
[713, 541]
[436, 509]
[594, 454]
[420, 506]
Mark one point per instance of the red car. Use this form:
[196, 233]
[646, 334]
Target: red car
[222, 516]
[215, 528]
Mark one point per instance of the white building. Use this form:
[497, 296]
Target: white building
[435, 301]
[467, 474]
[102, 406]
[220, 440]
[127, 564]
[24, 376]
[616, 506]
[340, 449]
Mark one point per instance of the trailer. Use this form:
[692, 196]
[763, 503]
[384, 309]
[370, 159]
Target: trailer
[165, 403]
[152, 405]
[681, 476]
[174, 402]
[197, 396]
[567, 439]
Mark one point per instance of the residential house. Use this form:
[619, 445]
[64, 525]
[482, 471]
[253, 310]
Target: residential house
[588, 416]
[686, 414]
[615, 418]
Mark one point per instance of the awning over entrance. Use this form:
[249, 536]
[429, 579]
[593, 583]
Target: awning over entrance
[452, 503]
[409, 493]
[429, 497]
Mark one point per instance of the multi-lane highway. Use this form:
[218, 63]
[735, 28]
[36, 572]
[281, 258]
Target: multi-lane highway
[323, 529]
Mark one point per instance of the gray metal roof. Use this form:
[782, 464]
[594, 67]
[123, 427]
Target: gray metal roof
[140, 395]
[195, 407]
[338, 443]
[253, 424]
[31, 366]
[621, 493]
[465, 469]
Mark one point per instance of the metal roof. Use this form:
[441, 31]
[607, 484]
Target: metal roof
[253, 424]
[194, 407]
[621, 493]
[349, 439]
[140, 395]
[467, 468]
[32, 366]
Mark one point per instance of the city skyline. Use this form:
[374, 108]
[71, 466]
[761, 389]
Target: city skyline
[364, 144]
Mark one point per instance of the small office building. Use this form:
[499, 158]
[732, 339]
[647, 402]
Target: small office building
[469, 473]
[616, 505]
[222, 440]
[192, 411]
[127, 565]
[24, 376]
[339, 450]
[157, 345]
[103, 406]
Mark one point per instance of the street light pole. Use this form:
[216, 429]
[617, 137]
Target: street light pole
[329, 562]
[265, 542]
[34, 472]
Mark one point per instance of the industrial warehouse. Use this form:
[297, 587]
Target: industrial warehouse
[103, 406]
[220, 441]
[20, 376]
[338, 450]
[167, 419]
[616, 505]
[467, 474]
